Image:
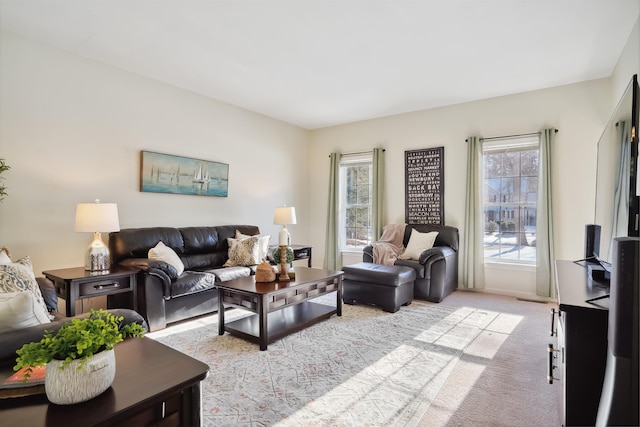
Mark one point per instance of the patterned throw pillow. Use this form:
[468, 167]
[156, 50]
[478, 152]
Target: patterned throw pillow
[243, 252]
[18, 277]
[263, 241]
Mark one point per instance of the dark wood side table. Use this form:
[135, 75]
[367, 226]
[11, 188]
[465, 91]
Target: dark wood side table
[76, 283]
[154, 385]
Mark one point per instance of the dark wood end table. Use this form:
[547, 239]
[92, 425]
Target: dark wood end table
[154, 385]
[76, 283]
[280, 308]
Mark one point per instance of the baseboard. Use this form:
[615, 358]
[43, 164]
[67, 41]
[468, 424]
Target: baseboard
[523, 296]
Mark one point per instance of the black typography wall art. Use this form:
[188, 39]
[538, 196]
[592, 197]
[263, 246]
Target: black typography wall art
[424, 186]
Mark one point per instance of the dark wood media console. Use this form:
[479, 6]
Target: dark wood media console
[581, 351]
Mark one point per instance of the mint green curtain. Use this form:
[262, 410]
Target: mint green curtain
[545, 254]
[332, 258]
[473, 254]
[377, 191]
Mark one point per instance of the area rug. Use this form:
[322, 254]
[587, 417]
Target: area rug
[365, 368]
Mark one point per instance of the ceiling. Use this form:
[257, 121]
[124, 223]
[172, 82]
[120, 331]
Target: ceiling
[318, 63]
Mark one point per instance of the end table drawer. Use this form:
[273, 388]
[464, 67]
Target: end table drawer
[107, 286]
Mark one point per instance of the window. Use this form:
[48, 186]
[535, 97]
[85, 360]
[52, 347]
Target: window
[355, 201]
[510, 193]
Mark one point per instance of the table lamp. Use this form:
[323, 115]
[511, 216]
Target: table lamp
[284, 215]
[96, 218]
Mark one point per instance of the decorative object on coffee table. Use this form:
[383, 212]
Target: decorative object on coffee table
[265, 272]
[96, 218]
[79, 357]
[283, 263]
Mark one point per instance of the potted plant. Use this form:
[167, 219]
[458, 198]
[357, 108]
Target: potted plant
[80, 353]
[277, 255]
[3, 168]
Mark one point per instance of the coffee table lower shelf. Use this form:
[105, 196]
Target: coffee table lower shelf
[280, 323]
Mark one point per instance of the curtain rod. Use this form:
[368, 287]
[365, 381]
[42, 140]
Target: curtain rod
[357, 152]
[512, 136]
[509, 136]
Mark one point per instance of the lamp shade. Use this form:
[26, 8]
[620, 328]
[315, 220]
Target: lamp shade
[284, 215]
[92, 217]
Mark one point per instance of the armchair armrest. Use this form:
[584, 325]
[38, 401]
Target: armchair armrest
[435, 253]
[367, 254]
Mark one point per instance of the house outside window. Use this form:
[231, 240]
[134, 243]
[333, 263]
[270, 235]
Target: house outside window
[510, 194]
[355, 201]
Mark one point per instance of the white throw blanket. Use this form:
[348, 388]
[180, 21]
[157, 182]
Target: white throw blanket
[387, 249]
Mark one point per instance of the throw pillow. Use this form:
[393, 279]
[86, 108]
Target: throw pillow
[263, 242]
[18, 277]
[20, 310]
[243, 252]
[162, 252]
[418, 243]
[4, 257]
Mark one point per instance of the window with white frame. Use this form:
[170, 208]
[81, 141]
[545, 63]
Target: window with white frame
[355, 200]
[510, 193]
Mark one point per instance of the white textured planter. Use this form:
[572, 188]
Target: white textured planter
[72, 385]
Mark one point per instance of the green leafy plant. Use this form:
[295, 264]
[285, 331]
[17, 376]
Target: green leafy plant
[78, 339]
[277, 255]
[3, 168]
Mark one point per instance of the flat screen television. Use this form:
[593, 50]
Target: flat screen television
[617, 204]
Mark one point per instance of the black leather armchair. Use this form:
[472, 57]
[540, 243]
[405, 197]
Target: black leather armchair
[437, 268]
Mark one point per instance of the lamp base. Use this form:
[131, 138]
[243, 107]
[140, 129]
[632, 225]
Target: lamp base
[97, 257]
[284, 276]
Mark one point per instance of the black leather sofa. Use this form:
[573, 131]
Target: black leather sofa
[163, 297]
[437, 268]
[13, 340]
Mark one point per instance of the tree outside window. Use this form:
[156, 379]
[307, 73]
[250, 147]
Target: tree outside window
[510, 176]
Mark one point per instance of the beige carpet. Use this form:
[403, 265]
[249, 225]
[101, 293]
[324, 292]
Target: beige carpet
[474, 359]
[500, 379]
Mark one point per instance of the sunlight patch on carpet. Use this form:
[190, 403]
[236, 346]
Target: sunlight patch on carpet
[366, 367]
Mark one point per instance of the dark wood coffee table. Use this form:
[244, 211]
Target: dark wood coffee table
[154, 385]
[280, 308]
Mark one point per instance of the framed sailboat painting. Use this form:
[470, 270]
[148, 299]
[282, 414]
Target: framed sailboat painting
[166, 173]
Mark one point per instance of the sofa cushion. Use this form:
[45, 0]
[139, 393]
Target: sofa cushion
[418, 243]
[230, 273]
[161, 252]
[192, 282]
[243, 252]
[18, 277]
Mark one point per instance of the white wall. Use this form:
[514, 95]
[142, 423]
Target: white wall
[578, 111]
[72, 130]
[627, 66]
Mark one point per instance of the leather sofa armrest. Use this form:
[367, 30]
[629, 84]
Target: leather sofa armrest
[163, 278]
[48, 291]
[139, 263]
[367, 254]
